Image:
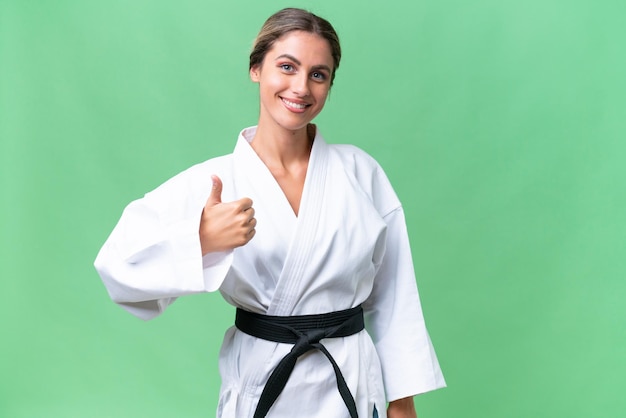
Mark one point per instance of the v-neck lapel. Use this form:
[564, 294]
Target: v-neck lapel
[303, 240]
[286, 238]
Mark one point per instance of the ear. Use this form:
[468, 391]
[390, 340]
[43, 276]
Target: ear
[255, 73]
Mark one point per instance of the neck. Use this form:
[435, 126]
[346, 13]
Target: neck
[279, 147]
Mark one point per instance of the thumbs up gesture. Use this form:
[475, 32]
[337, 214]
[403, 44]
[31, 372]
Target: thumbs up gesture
[224, 226]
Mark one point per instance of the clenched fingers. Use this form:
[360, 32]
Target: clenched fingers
[227, 225]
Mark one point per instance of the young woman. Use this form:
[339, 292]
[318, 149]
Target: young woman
[306, 239]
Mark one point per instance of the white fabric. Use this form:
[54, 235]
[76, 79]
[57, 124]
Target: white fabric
[348, 246]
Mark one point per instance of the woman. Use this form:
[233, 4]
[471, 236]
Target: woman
[306, 239]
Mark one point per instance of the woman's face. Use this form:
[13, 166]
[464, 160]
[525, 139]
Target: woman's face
[294, 80]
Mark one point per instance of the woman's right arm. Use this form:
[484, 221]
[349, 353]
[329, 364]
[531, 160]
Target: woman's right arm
[153, 255]
[176, 240]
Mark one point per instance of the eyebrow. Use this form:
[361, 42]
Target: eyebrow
[297, 61]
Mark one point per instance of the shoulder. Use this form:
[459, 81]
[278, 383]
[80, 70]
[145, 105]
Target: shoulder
[354, 153]
[194, 179]
[357, 161]
[368, 174]
[212, 166]
[201, 173]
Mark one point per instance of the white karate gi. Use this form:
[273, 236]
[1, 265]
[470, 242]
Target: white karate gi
[347, 246]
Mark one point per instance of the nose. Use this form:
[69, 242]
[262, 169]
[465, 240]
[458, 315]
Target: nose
[300, 85]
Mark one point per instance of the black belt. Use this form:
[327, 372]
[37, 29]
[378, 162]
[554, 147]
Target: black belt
[305, 333]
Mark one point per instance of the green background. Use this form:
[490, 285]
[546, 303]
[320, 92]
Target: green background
[500, 123]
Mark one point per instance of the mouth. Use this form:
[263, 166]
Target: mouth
[295, 106]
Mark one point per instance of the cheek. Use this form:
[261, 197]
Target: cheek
[270, 86]
[322, 95]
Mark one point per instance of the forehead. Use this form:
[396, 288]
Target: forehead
[309, 48]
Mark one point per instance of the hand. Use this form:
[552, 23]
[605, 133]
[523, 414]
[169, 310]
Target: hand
[402, 408]
[224, 226]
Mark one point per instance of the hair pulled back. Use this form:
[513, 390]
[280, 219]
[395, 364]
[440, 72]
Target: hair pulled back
[292, 19]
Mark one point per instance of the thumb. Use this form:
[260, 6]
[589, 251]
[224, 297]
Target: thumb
[216, 192]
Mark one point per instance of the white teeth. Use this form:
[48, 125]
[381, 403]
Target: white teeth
[294, 105]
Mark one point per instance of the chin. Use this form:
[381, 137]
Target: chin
[294, 125]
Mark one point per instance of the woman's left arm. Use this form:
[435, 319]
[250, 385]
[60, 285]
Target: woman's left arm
[402, 408]
[395, 320]
[393, 313]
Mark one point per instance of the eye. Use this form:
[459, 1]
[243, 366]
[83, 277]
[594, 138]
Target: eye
[318, 76]
[287, 67]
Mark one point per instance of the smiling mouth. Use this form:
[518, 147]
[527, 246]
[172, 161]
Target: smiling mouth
[294, 105]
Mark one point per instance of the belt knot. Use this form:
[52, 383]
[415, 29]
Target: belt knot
[305, 333]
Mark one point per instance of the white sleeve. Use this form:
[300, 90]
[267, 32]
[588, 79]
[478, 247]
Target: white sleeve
[395, 320]
[153, 254]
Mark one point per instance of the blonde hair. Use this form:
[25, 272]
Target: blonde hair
[292, 19]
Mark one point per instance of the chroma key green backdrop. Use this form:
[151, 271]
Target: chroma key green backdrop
[501, 124]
